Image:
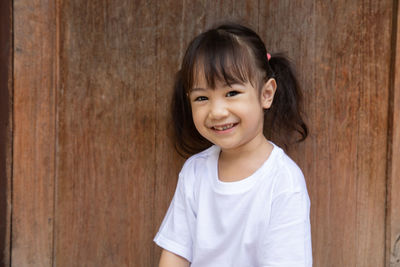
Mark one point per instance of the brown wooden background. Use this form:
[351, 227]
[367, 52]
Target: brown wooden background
[86, 167]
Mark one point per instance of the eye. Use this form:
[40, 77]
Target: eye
[201, 98]
[232, 93]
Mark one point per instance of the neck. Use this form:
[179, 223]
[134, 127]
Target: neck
[237, 164]
[258, 146]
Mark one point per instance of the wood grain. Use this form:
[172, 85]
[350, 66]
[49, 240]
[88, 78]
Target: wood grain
[5, 129]
[106, 134]
[170, 40]
[34, 133]
[94, 168]
[393, 204]
[342, 50]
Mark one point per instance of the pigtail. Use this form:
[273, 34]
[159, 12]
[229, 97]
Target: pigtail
[284, 118]
[187, 139]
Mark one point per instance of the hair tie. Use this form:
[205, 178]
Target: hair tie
[268, 56]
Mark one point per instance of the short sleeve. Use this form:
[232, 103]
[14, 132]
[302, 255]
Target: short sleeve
[287, 240]
[175, 233]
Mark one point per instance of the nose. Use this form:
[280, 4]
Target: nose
[218, 110]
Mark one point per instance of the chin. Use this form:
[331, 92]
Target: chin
[227, 146]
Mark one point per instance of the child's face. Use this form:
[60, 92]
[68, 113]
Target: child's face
[230, 116]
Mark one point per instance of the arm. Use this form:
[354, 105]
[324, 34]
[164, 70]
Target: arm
[287, 242]
[169, 259]
[175, 233]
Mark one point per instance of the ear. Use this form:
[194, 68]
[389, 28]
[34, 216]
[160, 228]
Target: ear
[267, 93]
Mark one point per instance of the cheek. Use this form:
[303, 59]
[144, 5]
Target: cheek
[248, 109]
[197, 117]
[252, 112]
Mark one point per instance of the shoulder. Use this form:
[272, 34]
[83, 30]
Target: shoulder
[288, 176]
[192, 163]
[198, 165]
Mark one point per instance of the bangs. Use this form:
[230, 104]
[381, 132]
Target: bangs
[217, 57]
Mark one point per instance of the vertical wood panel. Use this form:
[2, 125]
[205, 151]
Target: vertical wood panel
[170, 38]
[106, 134]
[342, 50]
[5, 129]
[34, 133]
[393, 208]
[371, 79]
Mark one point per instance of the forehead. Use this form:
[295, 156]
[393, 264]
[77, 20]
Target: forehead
[213, 74]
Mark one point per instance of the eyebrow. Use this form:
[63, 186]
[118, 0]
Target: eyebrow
[201, 89]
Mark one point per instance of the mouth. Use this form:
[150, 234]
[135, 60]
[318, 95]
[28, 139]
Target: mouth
[224, 127]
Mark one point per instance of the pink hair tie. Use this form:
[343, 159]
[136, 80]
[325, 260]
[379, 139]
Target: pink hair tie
[268, 56]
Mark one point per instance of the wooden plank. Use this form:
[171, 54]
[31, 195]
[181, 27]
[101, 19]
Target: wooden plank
[342, 50]
[171, 37]
[393, 208]
[175, 29]
[34, 133]
[373, 84]
[106, 134]
[5, 129]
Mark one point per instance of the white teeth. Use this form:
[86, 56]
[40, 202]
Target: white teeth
[225, 127]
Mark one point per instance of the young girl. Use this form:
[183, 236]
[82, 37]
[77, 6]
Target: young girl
[240, 200]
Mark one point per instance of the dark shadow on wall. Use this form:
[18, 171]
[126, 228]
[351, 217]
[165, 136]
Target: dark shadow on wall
[5, 127]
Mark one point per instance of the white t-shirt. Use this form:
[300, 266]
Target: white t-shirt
[262, 220]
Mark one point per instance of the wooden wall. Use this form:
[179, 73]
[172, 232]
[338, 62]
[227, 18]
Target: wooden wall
[90, 170]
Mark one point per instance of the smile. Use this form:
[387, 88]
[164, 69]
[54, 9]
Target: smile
[224, 127]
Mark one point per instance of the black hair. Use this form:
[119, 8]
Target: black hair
[231, 53]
